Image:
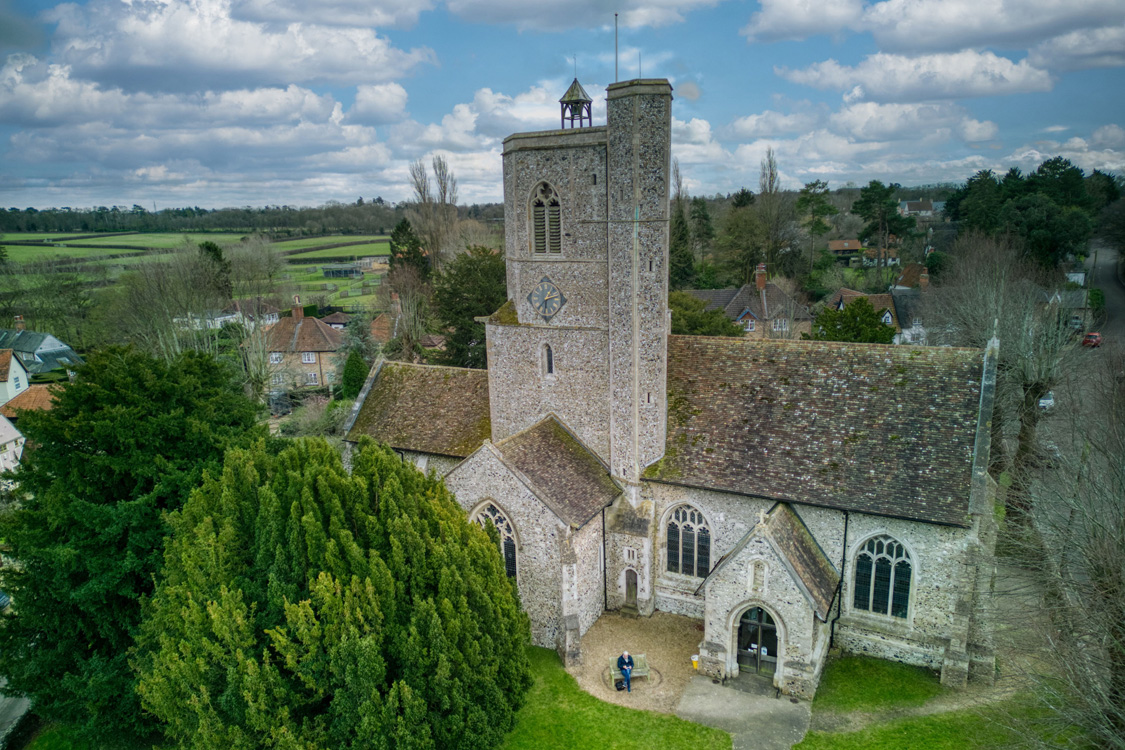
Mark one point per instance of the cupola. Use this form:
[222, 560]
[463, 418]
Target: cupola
[576, 106]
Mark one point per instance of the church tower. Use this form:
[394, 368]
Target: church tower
[584, 333]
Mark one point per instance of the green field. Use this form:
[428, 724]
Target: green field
[163, 241]
[357, 251]
[29, 253]
[311, 242]
[38, 236]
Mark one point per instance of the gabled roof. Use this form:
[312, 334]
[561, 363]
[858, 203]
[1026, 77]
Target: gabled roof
[382, 328]
[38, 352]
[36, 398]
[765, 304]
[562, 472]
[911, 275]
[878, 429]
[799, 551]
[6, 364]
[443, 410]
[303, 335]
[878, 301]
[844, 246]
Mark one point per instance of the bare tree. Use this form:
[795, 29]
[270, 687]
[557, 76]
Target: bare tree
[1074, 557]
[434, 213]
[406, 297]
[776, 212]
[989, 290]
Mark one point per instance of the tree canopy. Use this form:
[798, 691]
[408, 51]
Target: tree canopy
[301, 606]
[689, 318]
[125, 442]
[406, 250]
[473, 285]
[858, 322]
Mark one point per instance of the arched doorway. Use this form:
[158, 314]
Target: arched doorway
[757, 642]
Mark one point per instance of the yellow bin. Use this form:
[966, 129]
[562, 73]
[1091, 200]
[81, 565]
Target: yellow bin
[695, 661]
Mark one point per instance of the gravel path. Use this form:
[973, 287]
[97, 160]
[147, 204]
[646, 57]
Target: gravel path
[667, 640]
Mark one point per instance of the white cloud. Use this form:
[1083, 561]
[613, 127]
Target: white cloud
[1056, 129]
[135, 43]
[590, 14]
[688, 90]
[380, 13]
[800, 19]
[771, 123]
[1109, 137]
[873, 121]
[910, 25]
[380, 103]
[1079, 50]
[694, 143]
[886, 77]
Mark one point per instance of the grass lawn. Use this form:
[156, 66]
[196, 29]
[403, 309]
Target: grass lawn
[860, 683]
[335, 239]
[957, 730]
[558, 714]
[358, 251]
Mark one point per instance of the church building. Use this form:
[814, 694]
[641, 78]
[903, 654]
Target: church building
[790, 495]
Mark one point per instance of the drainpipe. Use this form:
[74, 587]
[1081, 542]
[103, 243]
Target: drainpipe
[840, 585]
[605, 582]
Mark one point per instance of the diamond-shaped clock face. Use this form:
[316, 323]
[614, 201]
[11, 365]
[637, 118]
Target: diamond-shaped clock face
[546, 299]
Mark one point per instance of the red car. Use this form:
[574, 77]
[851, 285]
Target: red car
[1092, 339]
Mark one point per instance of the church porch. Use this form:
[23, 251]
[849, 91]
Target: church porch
[668, 640]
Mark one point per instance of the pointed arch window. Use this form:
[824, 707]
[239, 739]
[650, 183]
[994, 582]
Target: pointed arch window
[883, 574]
[689, 543]
[507, 534]
[548, 360]
[546, 228]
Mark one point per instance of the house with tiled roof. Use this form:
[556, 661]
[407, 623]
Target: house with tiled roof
[845, 247]
[11, 450]
[790, 496]
[900, 309]
[38, 397]
[763, 309]
[301, 351]
[39, 353]
[14, 377]
[338, 320]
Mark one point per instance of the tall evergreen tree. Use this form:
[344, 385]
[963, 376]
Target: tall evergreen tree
[305, 607]
[124, 443]
[355, 373]
[406, 250]
[681, 261]
[702, 230]
[858, 322]
[474, 285]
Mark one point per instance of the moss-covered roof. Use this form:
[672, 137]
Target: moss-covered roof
[441, 410]
[563, 472]
[887, 430]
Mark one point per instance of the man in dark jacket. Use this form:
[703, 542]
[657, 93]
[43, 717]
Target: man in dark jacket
[625, 666]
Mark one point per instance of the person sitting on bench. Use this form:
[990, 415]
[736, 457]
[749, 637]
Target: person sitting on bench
[625, 666]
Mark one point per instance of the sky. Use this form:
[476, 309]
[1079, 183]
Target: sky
[215, 103]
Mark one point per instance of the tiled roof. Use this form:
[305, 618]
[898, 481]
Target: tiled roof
[877, 429]
[38, 352]
[35, 398]
[734, 302]
[911, 273]
[428, 409]
[811, 569]
[563, 472]
[339, 318]
[878, 301]
[382, 328]
[844, 246]
[303, 335]
[5, 363]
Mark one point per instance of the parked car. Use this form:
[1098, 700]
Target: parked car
[1092, 339]
[1047, 402]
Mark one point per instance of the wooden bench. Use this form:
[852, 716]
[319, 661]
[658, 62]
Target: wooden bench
[640, 667]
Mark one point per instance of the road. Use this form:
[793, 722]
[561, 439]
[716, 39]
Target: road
[1105, 278]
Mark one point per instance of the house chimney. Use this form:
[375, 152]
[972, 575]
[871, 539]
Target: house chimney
[924, 278]
[760, 277]
[19, 323]
[298, 311]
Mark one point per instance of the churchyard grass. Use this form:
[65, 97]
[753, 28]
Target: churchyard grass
[860, 683]
[559, 714]
[968, 729]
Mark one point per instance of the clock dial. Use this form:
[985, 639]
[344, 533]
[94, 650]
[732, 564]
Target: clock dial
[546, 298]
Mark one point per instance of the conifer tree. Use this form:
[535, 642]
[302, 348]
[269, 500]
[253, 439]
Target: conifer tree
[406, 250]
[303, 606]
[124, 443]
[355, 373]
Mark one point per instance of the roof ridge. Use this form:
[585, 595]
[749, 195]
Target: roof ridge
[434, 367]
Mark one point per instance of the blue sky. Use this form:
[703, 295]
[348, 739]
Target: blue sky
[253, 102]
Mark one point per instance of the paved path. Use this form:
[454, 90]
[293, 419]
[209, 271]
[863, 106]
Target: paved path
[753, 721]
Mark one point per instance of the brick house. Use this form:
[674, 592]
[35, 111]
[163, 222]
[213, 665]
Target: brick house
[763, 309]
[300, 351]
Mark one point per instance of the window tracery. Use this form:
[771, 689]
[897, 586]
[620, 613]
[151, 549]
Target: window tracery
[689, 542]
[883, 573]
[507, 534]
